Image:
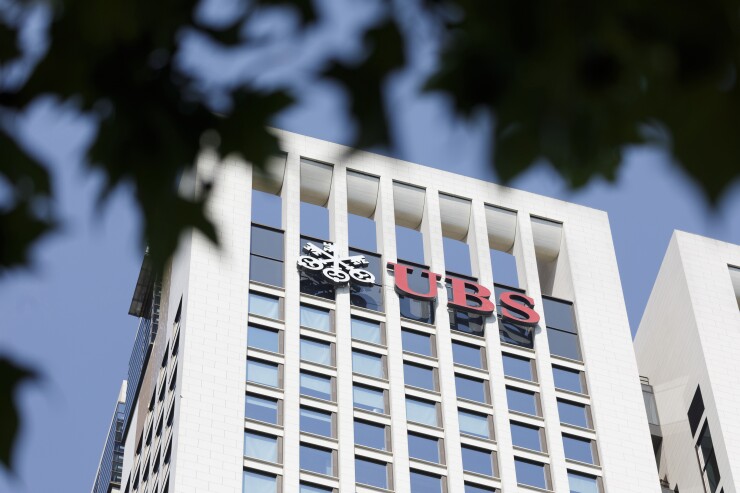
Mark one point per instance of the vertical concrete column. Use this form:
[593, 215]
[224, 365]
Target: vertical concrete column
[386, 234]
[291, 200]
[481, 258]
[434, 256]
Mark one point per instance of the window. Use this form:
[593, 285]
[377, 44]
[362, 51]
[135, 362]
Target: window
[409, 244]
[568, 379]
[263, 338]
[263, 372]
[478, 460]
[424, 447]
[314, 282]
[419, 376]
[696, 411]
[527, 436]
[317, 459]
[369, 398]
[316, 318]
[417, 342]
[531, 473]
[522, 401]
[259, 482]
[266, 256]
[476, 488]
[423, 482]
[470, 388]
[367, 330]
[371, 435]
[361, 229]
[457, 256]
[503, 266]
[316, 351]
[264, 305]
[468, 355]
[580, 449]
[468, 323]
[518, 367]
[583, 483]
[369, 364]
[315, 385]
[371, 472]
[707, 459]
[562, 331]
[262, 409]
[266, 208]
[370, 297]
[313, 488]
[419, 310]
[509, 332]
[317, 422]
[261, 446]
[475, 424]
[563, 344]
[573, 413]
[421, 411]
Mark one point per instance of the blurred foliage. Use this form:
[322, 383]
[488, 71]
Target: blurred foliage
[572, 82]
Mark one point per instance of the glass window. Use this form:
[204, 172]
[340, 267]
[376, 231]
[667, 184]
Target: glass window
[457, 256]
[370, 297]
[568, 379]
[312, 488]
[563, 344]
[371, 472]
[516, 335]
[261, 408]
[266, 270]
[368, 364]
[522, 401]
[530, 473]
[476, 488]
[471, 388]
[264, 305]
[263, 338]
[573, 413]
[316, 351]
[582, 483]
[417, 342]
[466, 322]
[370, 434]
[314, 220]
[361, 232]
[472, 423]
[422, 482]
[317, 459]
[317, 422]
[413, 309]
[696, 410]
[577, 448]
[503, 266]
[266, 208]
[260, 446]
[424, 447]
[409, 244]
[266, 260]
[315, 385]
[559, 314]
[421, 411]
[315, 318]
[477, 460]
[314, 282]
[419, 376]
[518, 367]
[526, 436]
[366, 330]
[263, 372]
[369, 398]
[258, 482]
[707, 458]
[468, 355]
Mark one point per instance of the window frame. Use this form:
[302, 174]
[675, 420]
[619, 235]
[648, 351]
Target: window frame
[540, 433]
[489, 424]
[332, 382]
[280, 335]
[388, 472]
[334, 459]
[440, 447]
[535, 396]
[280, 373]
[332, 351]
[381, 327]
[278, 408]
[278, 441]
[387, 437]
[432, 342]
[480, 348]
[435, 376]
[545, 471]
[280, 300]
[386, 399]
[484, 384]
[437, 409]
[592, 446]
[383, 364]
[330, 311]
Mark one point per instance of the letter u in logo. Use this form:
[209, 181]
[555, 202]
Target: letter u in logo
[401, 273]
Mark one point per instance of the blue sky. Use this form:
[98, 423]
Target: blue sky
[68, 315]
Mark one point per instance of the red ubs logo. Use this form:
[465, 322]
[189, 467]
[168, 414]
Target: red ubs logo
[468, 296]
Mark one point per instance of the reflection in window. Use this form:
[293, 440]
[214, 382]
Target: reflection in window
[370, 297]
[263, 372]
[475, 424]
[421, 311]
[468, 355]
[707, 458]
[370, 434]
[264, 305]
[478, 460]
[315, 385]
[419, 376]
[259, 482]
[369, 398]
[263, 338]
[260, 446]
[316, 351]
[366, 330]
[423, 482]
[511, 333]
[316, 421]
[531, 473]
[315, 318]
[568, 379]
[518, 367]
[424, 447]
[417, 342]
[422, 411]
[316, 459]
[526, 436]
[371, 472]
[470, 388]
[466, 322]
[369, 364]
[522, 401]
[261, 408]
[314, 282]
[562, 331]
[266, 256]
[573, 413]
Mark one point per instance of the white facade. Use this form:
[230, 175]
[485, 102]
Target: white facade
[689, 338]
[561, 249]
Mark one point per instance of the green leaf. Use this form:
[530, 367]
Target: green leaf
[12, 376]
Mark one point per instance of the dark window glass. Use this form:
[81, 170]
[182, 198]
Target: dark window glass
[563, 344]
[516, 335]
[696, 411]
[262, 482]
[366, 330]
[577, 448]
[419, 376]
[261, 408]
[466, 322]
[315, 385]
[470, 388]
[317, 422]
[457, 256]
[707, 458]
[421, 411]
[467, 354]
[266, 208]
[371, 472]
[266, 270]
[421, 311]
[424, 447]
[317, 459]
[263, 372]
[314, 282]
[409, 244]
[312, 488]
[475, 424]
[559, 314]
[530, 473]
[417, 342]
[582, 483]
[518, 367]
[374, 261]
[476, 488]
[370, 297]
[526, 436]
[477, 460]
[267, 243]
[368, 398]
[422, 482]
[370, 435]
[522, 401]
[573, 413]
[568, 379]
[263, 338]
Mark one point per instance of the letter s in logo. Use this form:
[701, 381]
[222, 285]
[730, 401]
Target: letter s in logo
[518, 308]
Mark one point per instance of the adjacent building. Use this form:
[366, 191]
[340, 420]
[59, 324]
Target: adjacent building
[688, 348]
[110, 468]
[370, 325]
